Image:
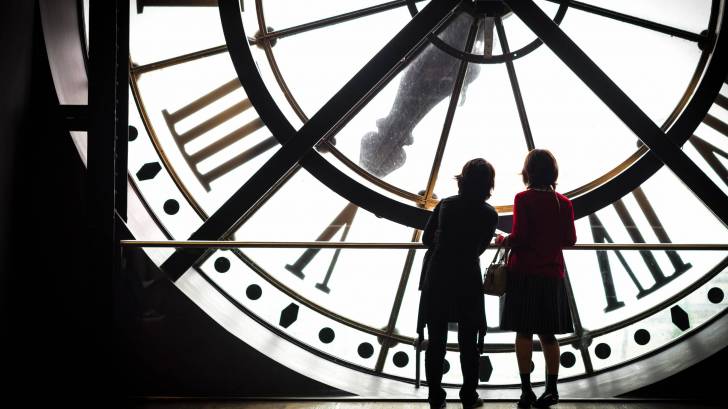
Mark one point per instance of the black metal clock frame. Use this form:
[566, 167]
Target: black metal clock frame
[107, 70]
[664, 147]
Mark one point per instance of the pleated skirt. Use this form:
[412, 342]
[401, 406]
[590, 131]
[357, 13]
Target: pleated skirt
[536, 304]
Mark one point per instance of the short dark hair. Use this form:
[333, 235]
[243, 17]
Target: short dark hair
[477, 178]
[540, 169]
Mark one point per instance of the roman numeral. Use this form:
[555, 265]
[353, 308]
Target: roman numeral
[194, 159]
[342, 221]
[709, 152]
[601, 235]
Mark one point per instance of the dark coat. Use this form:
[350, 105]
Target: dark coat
[457, 233]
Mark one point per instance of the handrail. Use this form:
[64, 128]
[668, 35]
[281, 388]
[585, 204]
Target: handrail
[227, 244]
[493, 347]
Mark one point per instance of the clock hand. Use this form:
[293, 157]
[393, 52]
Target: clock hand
[627, 111]
[327, 118]
[429, 79]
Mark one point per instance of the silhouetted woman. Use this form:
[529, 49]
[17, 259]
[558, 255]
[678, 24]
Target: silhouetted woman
[536, 300]
[457, 233]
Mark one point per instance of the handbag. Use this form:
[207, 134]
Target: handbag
[496, 275]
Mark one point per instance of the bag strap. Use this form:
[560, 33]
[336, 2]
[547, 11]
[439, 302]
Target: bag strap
[498, 251]
[495, 256]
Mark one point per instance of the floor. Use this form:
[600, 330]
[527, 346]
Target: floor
[328, 404]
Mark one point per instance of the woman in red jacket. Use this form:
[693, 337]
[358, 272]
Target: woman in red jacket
[536, 300]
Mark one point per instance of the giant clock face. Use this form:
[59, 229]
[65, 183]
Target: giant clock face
[217, 90]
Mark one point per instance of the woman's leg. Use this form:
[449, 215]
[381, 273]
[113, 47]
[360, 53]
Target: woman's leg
[524, 350]
[551, 355]
[434, 361]
[469, 356]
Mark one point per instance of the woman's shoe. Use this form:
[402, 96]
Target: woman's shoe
[547, 399]
[441, 405]
[477, 403]
[526, 400]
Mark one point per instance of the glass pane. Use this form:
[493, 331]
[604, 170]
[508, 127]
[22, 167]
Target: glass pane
[680, 269]
[652, 68]
[234, 277]
[664, 327]
[157, 187]
[317, 63]
[165, 32]
[486, 125]
[561, 110]
[562, 113]
[708, 147]
[282, 14]
[215, 143]
[691, 15]
[362, 283]
[518, 33]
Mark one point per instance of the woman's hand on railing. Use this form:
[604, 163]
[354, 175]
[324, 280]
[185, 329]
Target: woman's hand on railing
[501, 240]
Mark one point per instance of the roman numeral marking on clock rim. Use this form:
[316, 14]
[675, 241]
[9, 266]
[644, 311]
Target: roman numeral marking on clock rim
[344, 220]
[601, 235]
[194, 159]
[708, 151]
[710, 154]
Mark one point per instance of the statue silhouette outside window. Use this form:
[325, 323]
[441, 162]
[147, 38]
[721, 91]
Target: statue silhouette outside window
[429, 79]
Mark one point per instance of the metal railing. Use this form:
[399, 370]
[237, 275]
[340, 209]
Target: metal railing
[227, 244]
[573, 339]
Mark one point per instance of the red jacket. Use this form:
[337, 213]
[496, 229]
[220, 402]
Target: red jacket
[543, 223]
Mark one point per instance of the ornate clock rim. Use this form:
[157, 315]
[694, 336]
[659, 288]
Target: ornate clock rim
[656, 365]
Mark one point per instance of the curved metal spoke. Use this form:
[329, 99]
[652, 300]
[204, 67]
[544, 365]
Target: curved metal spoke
[579, 332]
[329, 21]
[272, 35]
[454, 98]
[181, 59]
[622, 106]
[625, 18]
[514, 85]
[398, 298]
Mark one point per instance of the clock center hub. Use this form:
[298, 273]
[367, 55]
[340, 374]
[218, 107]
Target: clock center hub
[490, 8]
